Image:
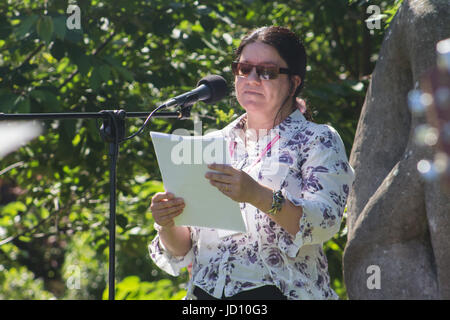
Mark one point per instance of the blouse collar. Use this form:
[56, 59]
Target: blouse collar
[235, 130]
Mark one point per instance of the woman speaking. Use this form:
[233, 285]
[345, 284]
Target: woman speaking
[290, 175]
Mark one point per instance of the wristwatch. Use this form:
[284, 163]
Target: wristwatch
[277, 202]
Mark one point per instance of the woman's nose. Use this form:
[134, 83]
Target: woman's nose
[253, 76]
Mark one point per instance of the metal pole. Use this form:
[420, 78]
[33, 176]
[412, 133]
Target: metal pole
[112, 131]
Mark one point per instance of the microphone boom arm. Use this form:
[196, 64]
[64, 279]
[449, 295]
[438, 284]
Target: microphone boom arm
[209, 89]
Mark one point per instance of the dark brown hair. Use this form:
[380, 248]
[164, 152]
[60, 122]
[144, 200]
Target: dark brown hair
[290, 49]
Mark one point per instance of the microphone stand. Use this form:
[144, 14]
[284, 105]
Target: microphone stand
[113, 132]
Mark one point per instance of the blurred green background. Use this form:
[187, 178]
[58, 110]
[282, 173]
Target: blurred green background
[132, 55]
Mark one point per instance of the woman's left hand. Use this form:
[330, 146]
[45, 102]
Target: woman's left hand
[234, 183]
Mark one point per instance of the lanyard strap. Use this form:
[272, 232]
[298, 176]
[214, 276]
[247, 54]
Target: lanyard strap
[232, 148]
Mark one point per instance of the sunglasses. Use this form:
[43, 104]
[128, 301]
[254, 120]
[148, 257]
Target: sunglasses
[243, 69]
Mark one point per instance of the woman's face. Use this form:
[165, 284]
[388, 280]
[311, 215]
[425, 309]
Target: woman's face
[262, 97]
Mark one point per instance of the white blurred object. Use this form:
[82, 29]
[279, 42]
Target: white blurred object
[443, 50]
[13, 135]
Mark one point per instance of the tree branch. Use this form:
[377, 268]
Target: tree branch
[31, 231]
[94, 53]
[26, 231]
[31, 55]
[14, 165]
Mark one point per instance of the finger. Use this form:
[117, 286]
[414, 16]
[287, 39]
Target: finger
[155, 206]
[170, 216]
[169, 195]
[175, 214]
[162, 195]
[157, 196]
[223, 187]
[225, 168]
[166, 203]
[219, 177]
[174, 209]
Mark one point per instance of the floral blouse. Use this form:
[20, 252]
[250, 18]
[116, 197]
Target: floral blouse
[308, 162]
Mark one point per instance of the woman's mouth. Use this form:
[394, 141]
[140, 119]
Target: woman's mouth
[253, 93]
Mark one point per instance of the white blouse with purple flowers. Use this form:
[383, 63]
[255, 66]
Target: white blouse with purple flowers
[309, 164]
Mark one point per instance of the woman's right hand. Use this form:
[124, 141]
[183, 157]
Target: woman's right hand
[165, 207]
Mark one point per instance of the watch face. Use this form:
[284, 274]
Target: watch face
[279, 196]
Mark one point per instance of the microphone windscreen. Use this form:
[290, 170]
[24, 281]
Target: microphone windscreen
[217, 85]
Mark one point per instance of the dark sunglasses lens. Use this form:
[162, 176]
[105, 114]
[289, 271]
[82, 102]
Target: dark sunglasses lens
[244, 69]
[267, 73]
[239, 70]
[235, 68]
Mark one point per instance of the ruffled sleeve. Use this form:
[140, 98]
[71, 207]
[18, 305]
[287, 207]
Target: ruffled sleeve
[322, 186]
[164, 260]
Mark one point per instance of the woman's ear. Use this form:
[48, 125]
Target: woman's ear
[298, 80]
[295, 82]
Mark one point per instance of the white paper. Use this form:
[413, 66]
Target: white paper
[183, 163]
[13, 135]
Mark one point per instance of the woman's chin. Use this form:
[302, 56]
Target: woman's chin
[252, 106]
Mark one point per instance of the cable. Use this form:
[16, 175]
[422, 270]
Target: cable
[145, 123]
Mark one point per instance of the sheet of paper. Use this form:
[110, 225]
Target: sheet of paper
[183, 163]
[13, 135]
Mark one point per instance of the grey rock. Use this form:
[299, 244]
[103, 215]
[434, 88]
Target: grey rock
[396, 220]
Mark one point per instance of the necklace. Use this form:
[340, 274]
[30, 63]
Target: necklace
[245, 132]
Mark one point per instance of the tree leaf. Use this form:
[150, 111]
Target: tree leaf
[44, 28]
[7, 100]
[25, 25]
[60, 27]
[122, 220]
[46, 99]
[22, 104]
[105, 72]
[96, 79]
[58, 49]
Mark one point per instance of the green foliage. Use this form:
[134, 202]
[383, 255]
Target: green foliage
[20, 284]
[334, 249]
[132, 288]
[132, 55]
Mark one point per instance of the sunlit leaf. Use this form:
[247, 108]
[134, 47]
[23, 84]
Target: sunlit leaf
[44, 28]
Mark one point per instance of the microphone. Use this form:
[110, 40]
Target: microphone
[210, 89]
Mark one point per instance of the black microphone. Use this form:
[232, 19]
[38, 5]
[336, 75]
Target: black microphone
[209, 89]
